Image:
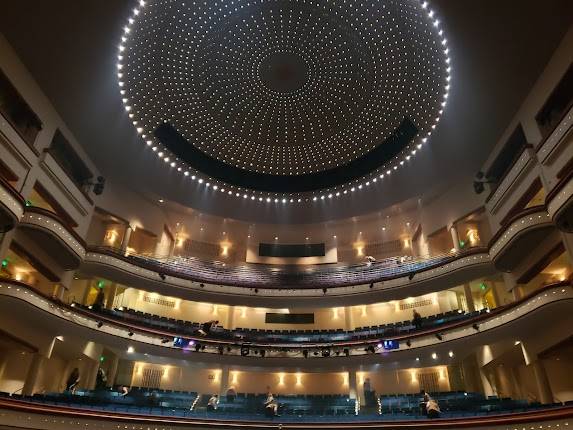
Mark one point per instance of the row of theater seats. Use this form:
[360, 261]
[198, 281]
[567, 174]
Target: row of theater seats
[293, 407]
[188, 328]
[453, 402]
[296, 404]
[285, 277]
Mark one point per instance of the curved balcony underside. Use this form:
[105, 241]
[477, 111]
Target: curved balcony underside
[11, 206]
[553, 306]
[57, 239]
[514, 242]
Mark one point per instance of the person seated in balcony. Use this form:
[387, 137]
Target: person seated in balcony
[213, 403]
[424, 402]
[432, 409]
[98, 303]
[271, 406]
[123, 390]
[206, 327]
[369, 260]
[73, 381]
[231, 394]
[416, 319]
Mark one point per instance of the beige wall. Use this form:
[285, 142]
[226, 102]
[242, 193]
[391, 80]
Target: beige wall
[248, 317]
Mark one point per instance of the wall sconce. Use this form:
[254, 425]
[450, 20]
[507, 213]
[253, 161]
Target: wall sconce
[298, 379]
[473, 236]
[111, 236]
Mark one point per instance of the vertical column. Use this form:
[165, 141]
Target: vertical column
[230, 323]
[32, 375]
[91, 374]
[542, 382]
[5, 241]
[126, 237]
[348, 319]
[352, 385]
[111, 296]
[224, 383]
[58, 292]
[112, 371]
[86, 294]
[469, 298]
[567, 239]
[455, 238]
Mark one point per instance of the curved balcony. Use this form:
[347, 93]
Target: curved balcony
[548, 305]
[248, 283]
[560, 203]
[11, 206]
[56, 237]
[513, 242]
[39, 412]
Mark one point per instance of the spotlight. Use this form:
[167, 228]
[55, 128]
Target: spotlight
[315, 353]
[164, 340]
[370, 349]
[256, 291]
[371, 285]
[409, 342]
[262, 352]
[439, 336]
[326, 352]
[305, 353]
[337, 353]
[197, 347]
[479, 180]
[221, 349]
[324, 290]
[99, 324]
[411, 276]
[475, 327]
[228, 349]
[161, 275]
[201, 285]
[244, 350]
[99, 185]
[130, 333]
[346, 352]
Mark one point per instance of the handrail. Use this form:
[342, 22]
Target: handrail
[13, 191]
[278, 276]
[550, 414]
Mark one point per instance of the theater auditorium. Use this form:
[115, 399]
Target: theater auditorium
[286, 214]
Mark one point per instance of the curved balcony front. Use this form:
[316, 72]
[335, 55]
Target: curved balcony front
[551, 305]
[56, 237]
[11, 206]
[250, 284]
[513, 242]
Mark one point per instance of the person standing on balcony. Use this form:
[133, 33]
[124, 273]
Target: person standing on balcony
[416, 319]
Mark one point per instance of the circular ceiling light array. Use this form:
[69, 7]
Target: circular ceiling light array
[283, 87]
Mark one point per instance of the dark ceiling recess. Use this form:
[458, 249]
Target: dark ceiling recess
[382, 153]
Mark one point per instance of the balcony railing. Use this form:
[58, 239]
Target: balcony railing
[261, 275]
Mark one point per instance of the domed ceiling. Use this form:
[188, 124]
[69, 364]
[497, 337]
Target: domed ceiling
[284, 100]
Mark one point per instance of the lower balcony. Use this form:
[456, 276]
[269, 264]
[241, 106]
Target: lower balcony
[515, 241]
[56, 238]
[11, 207]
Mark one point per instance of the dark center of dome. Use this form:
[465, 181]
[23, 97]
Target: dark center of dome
[284, 72]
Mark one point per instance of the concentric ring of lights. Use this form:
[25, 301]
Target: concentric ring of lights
[138, 105]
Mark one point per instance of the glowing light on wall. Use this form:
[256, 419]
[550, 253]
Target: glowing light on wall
[298, 379]
[234, 377]
[243, 312]
[335, 315]
[473, 236]
[111, 236]
[414, 375]
[363, 310]
[281, 378]
[345, 378]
